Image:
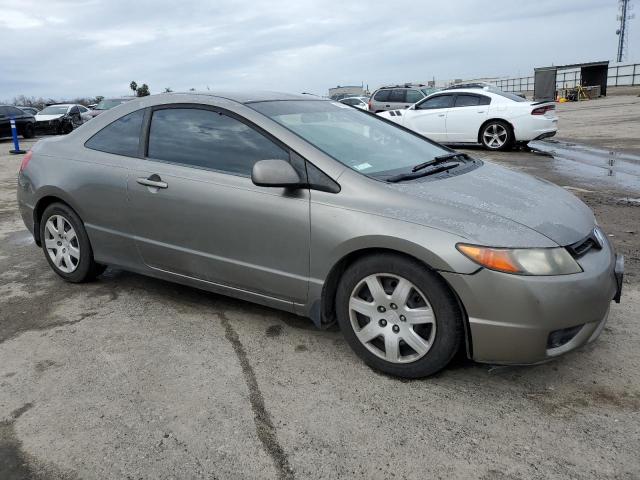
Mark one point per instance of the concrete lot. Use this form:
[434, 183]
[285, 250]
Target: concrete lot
[131, 377]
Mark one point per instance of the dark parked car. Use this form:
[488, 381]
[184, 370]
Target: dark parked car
[25, 122]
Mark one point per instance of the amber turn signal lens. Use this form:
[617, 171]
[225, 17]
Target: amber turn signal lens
[492, 258]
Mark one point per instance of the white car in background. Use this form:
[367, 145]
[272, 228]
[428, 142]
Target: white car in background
[358, 102]
[478, 114]
[61, 118]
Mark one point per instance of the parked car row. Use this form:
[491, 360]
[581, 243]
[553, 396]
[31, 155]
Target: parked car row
[56, 119]
[472, 113]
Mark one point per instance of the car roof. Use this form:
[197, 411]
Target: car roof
[414, 87]
[253, 96]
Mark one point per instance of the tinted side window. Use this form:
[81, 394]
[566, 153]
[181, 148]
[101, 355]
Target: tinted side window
[349, 101]
[414, 96]
[14, 112]
[382, 95]
[484, 100]
[397, 95]
[121, 137]
[208, 139]
[466, 101]
[74, 110]
[440, 101]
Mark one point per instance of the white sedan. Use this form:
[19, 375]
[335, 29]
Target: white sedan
[484, 115]
[358, 102]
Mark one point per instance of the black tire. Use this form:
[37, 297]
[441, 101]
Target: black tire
[28, 131]
[86, 269]
[449, 328]
[496, 126]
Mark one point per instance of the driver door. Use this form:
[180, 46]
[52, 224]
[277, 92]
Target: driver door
[196, 213]
[429, 117]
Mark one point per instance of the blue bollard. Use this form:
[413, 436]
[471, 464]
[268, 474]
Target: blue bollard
[14, 134]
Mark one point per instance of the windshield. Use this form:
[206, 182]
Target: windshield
[53, 110]
[360, 141]
[109, 103]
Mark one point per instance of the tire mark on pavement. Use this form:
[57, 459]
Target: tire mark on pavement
[264, 426]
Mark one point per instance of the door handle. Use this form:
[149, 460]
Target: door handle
[441, 114]
[153, 181]
[480, 111]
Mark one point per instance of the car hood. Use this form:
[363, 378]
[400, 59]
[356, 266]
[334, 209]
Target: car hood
[42, 118]
[496, 206]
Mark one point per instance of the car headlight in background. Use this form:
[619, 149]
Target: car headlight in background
[522, 261]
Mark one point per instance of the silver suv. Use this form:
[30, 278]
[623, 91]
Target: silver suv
[398, 97]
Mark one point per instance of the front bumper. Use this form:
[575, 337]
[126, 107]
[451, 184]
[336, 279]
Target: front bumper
[512, 318]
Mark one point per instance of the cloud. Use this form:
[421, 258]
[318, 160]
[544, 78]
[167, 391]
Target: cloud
[69, 48]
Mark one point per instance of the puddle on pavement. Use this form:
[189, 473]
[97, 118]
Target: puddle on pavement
[592, 165]
[21, 238]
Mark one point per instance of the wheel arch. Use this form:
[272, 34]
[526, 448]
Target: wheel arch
[496, 119]
[324, 314]
[51, 196]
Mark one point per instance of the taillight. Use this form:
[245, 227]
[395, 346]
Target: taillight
[370, 105]
[25, 160]
[543, 110]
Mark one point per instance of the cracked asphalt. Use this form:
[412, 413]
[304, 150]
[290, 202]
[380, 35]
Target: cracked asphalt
[135, 378]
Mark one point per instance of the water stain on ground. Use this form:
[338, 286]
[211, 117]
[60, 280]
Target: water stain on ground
[15, 464]
[264, 426]
[274, 331]
[568, 404]
[43, 366]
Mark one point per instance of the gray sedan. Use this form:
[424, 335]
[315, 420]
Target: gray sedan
[313, 207]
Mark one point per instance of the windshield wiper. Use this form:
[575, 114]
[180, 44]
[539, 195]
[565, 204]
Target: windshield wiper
[440, 159]
[423, 173]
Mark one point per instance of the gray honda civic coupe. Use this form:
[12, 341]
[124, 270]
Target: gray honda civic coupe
[319, 209]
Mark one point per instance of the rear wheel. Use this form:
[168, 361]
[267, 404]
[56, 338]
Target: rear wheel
[66, 245]
[496, 135]
[398, 316]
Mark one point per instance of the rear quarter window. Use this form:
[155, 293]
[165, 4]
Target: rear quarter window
[120, 137]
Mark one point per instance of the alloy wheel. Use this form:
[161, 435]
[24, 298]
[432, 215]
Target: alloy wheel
[392, 318]
[495, 135]
[62, 244]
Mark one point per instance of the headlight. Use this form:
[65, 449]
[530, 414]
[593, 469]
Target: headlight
[522, 261]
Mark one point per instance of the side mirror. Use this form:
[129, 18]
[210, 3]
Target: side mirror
[275, 173]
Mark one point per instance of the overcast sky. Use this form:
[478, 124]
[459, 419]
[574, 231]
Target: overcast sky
[71, 48]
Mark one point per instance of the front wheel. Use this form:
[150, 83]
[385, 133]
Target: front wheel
[398, 316]
[497, 135]
[66, 244]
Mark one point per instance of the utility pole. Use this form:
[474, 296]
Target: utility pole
[623, 17]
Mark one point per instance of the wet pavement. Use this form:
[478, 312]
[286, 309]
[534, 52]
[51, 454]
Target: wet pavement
[593, 166]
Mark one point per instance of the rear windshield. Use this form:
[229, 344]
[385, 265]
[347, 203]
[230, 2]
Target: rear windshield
[510, 96]
[360, 141]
